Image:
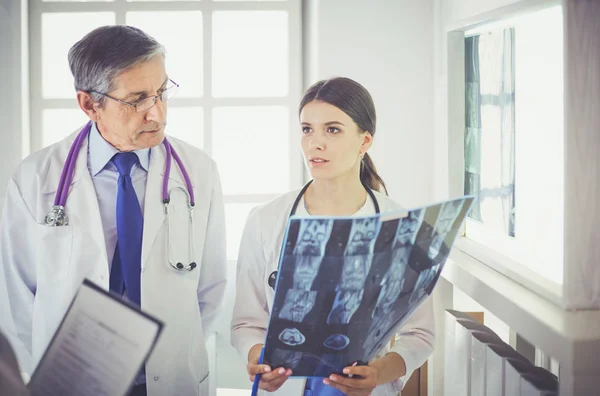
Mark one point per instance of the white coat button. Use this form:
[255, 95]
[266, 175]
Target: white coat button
[156, 378]
[102, 278]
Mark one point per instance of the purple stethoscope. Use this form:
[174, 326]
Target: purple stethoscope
[57, 216]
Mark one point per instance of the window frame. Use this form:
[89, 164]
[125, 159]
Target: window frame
[455, 83]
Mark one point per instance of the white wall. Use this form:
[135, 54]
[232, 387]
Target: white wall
[388, 47]
[456, 10]
[12, 14]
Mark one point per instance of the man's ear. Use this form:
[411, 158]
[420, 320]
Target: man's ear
[88, 105]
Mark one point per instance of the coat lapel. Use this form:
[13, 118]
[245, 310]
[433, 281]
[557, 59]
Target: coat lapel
[154, 215]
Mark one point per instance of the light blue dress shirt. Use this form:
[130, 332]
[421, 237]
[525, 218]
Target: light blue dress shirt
[105, 177]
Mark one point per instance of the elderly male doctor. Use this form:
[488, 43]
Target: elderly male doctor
[116, 231]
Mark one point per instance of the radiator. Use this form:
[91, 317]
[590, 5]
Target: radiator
[478, 363]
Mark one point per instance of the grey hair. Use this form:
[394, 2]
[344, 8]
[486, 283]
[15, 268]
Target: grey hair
[104, 53]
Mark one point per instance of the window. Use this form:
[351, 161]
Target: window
[514, 140]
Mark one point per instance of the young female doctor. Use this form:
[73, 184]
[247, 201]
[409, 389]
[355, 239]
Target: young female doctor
[338, 125]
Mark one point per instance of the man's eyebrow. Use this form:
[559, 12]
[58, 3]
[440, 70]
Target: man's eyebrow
[140, 93]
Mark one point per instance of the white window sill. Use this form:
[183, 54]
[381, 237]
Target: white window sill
[568, 336]
[533, 281]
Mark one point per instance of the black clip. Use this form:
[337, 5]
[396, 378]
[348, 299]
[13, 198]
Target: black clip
[272, 279]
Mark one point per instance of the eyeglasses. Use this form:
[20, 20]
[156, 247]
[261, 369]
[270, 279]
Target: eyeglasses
[147, 103]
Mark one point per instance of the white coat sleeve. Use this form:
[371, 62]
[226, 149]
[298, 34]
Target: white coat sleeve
[17, 275]
[213, 270]
[250, 311]
[415, 340]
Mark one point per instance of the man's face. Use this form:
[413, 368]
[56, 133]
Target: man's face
[121, 125]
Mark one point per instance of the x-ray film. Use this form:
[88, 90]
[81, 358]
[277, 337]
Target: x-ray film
[345, 285]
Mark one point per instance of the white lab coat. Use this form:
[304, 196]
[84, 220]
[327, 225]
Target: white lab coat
[259, 256]
[41, 267]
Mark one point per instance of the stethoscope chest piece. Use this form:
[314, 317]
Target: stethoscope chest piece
[57, 217]
[272, 279]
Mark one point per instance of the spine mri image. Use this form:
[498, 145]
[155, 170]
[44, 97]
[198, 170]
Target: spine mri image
[345, 285]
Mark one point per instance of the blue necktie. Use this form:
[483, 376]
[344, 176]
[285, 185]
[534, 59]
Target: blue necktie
[127, 262]
[316, 387]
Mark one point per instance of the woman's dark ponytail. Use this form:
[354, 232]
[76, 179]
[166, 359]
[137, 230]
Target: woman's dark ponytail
[369, 176]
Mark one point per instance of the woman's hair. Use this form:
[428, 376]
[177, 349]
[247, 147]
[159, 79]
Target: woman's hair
[354, 100]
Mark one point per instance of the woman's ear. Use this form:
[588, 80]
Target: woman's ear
[88, 105]
[367, 141]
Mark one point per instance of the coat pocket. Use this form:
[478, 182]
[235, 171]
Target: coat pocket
[53, 248]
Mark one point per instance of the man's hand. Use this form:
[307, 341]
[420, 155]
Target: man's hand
[270, 380]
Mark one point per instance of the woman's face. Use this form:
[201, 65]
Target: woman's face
[331, 141]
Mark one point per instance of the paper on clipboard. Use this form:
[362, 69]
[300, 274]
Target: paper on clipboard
[98, 349]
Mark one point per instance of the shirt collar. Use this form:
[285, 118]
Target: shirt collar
[101, 152]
